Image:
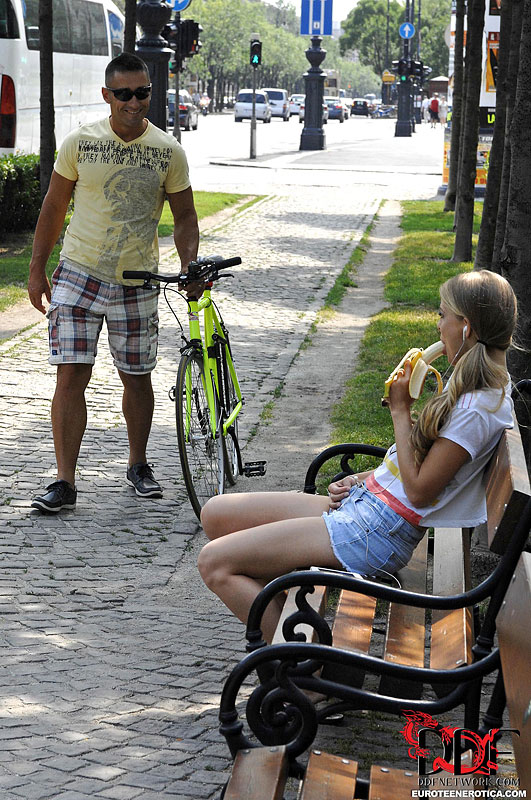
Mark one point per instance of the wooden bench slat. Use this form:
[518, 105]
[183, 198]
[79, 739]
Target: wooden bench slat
[514, 634]
[317, 600]
[258, 774]
[452, 631]
[351, 630]
[507, 489]
[329, 777]
[392, 784]
[406, 626]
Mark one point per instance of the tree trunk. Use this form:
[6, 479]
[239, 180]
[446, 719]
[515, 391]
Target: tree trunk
[47, 129]
[457, 107]
[516, 251]
[130, 26]
[517, 7]
[487, 232]
[464, 216]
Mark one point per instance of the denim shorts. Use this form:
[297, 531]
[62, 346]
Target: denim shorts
[368, 537]
[78, 307]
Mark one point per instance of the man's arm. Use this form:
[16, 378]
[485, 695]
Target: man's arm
[49, 227]
[185, 227]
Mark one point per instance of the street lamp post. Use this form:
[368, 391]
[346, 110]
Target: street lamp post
[152, 16]
[312, 137]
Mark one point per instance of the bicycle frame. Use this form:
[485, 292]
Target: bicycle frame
[213, 333]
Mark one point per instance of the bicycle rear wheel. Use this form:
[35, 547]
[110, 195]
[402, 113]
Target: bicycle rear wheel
[231, 447]
[200, 452]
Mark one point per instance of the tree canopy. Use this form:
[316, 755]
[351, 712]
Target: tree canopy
[365, 33]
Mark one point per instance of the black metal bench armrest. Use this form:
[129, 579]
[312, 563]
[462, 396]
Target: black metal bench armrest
[347, 451]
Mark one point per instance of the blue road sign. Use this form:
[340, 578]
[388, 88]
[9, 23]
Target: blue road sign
[406, 30]
[316, 17]
[179, 5]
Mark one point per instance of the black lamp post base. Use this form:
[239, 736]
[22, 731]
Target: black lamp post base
[403, 127]
[313, 139]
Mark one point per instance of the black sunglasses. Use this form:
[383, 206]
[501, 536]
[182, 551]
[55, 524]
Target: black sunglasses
[126, 94]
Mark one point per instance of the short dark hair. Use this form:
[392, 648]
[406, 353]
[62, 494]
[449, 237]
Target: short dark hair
[125, 62]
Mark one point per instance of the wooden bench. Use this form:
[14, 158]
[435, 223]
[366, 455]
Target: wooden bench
[262, 773]
[514, 634]
[308, 656]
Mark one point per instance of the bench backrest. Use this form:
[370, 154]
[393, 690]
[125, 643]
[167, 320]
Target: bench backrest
[514, 634]
[507, 489]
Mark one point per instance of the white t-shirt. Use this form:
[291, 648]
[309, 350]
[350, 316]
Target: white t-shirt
[476, 424]
[118, 197]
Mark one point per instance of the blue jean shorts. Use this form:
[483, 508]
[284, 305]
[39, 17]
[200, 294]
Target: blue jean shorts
[369, 537]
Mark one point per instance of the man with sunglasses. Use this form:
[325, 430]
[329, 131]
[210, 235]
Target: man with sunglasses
[119, 171]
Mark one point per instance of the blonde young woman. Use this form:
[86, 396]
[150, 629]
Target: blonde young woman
[432, 475]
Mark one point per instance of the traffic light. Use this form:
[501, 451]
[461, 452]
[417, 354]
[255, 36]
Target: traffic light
[417, 69]
[171, 33]
[401, 68]
[256, 53]
[190, 44]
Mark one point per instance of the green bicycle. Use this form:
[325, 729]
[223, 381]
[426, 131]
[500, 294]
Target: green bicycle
[207, 394]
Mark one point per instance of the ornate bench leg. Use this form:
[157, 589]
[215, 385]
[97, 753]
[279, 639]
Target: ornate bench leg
[493, 717]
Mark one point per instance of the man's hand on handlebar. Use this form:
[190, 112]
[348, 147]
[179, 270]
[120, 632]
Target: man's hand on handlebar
[193, 289]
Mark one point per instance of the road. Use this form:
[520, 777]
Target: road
[359, 152]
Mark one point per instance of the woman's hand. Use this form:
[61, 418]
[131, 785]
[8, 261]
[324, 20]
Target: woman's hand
[338, 490]
[399, 398]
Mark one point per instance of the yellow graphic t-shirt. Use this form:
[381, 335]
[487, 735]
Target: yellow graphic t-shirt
[118, 197]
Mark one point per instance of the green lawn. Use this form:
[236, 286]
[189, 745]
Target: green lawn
[15, 257]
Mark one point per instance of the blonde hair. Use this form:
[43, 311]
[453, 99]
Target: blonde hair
[488, 302]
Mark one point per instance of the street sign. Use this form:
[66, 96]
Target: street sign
[179, 5]
[316, 17]
[387, 77]
[406, 30]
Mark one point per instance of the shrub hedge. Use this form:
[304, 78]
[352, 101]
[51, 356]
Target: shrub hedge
[20, 194]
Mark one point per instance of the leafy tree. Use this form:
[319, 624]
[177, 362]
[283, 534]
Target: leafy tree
[435, 18]
[365, 32]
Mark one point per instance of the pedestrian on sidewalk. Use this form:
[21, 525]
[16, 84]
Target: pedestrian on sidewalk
[432, 476]
[119, 171]
[434, 110]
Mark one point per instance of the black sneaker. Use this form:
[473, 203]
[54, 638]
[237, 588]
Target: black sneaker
[58, 495]
[141, 477]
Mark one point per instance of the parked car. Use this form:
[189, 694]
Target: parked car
[244, 105]
[188, 111]
[360, 107]
[278, 100]
[336, 109]
[325, 112]
[295, 102]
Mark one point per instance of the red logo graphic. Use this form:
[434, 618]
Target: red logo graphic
[454, 741]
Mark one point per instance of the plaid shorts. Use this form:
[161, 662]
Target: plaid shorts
[78, 306]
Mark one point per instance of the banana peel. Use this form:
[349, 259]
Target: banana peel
[420, 366]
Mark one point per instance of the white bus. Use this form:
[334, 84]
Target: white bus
[86, 35]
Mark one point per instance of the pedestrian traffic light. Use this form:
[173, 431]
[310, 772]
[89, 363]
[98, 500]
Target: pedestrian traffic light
[256, 52]
[190, 44]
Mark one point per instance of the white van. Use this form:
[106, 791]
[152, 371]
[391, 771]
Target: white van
[86, 35]
[279, 102]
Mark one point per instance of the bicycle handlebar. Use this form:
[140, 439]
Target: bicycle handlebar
[204, 269]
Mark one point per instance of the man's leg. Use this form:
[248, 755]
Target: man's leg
[69, 417]
[137, 405]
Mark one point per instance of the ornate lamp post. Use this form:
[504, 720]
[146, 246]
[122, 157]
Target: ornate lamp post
[152, 16]
[312, 137]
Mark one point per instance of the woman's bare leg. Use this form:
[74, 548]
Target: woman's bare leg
[227, 513]
[236, 566]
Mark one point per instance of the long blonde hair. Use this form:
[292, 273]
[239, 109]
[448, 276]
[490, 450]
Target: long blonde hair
[488, 302]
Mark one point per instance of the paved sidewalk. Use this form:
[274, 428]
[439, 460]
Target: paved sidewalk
[113, 654]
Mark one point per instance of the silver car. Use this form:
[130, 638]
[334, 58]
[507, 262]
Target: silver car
[244, 105]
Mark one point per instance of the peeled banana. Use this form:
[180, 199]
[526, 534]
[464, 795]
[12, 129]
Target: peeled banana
[420, 366]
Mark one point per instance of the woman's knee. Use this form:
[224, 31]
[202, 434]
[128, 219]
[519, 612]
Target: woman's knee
[210, 567]
[213, 516]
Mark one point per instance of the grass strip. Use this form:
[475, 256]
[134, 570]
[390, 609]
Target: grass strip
[15, 256]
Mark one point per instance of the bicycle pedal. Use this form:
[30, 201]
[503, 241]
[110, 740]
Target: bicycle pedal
[252, 469]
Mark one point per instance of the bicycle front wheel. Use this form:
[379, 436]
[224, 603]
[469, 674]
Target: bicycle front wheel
[200, 451]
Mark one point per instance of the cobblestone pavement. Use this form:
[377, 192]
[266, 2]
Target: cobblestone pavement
[109, 683]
